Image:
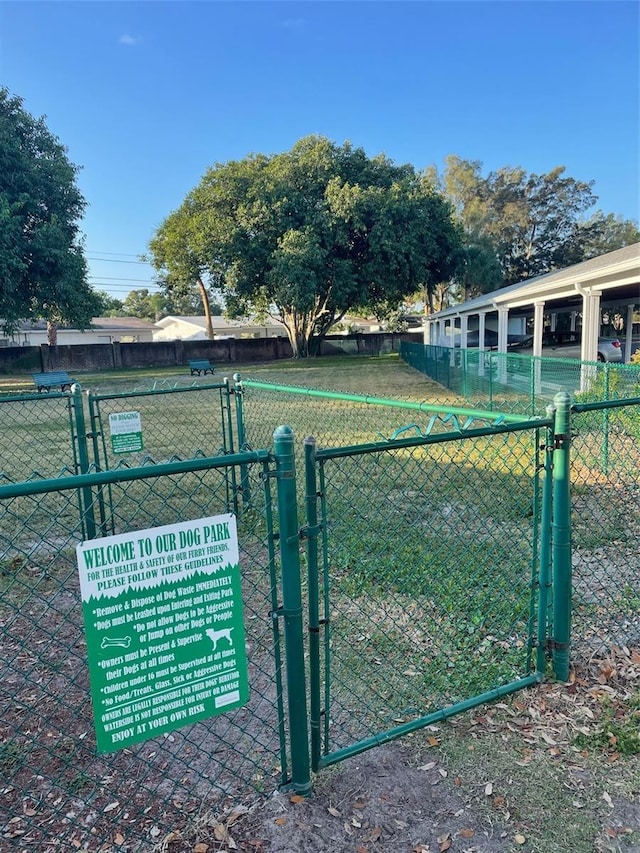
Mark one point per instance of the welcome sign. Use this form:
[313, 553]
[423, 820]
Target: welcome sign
[164, 627]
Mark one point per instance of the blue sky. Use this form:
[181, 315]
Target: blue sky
[147, 95]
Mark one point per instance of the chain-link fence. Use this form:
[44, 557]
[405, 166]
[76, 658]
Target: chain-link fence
[337, 419]
[433, 585]
[37, 436]
[605, 470]
[57, 792]
[605, 476]
[178, 422]
[509, 382]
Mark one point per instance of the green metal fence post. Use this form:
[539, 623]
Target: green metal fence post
[544, 577]
[86, 496]
[532, 386]
[228, 445]
[605, 422]
[312, 529]
[491, 366]
[561, 537]
[292, 607]
[95, 432]
[245, 487]
[465, 367]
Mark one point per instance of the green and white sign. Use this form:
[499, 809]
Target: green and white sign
[125, 429]
[165, 634]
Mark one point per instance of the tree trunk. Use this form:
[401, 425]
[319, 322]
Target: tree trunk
[207, 308]
[52, 334]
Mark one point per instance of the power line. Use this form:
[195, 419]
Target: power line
[118, 261]
[121, 288]
[113, 278]
[122, 254]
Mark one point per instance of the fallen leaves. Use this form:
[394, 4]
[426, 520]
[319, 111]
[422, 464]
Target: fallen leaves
[444, 842]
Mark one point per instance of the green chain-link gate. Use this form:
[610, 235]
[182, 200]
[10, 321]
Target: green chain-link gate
[429, 582]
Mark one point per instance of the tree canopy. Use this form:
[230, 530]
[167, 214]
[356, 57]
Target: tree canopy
[309, 234]
[43, 271]
[153, 306]
[529, 224]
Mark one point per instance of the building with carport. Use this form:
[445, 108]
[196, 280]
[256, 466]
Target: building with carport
[593, 296]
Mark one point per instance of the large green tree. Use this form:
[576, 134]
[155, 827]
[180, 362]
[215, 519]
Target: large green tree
[43, 272]
[309, 234]
[530, 223]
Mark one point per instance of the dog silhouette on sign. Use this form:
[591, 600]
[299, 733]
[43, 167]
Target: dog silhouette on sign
[223, 633]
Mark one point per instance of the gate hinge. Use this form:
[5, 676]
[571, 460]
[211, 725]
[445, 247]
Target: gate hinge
[266, 475]
[559, 441]
[310, 531]
[552, 644]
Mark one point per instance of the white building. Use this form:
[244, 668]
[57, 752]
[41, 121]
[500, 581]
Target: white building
[583, 293]
[195, 329]
[103, 330]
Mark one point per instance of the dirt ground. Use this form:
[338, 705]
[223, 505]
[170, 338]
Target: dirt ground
[545, 771]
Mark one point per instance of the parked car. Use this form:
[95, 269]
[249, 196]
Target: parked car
[568, 345]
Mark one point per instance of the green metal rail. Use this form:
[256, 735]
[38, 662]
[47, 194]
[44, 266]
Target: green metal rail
[473, 414]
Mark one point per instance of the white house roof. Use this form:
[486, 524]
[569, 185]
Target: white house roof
[121, 324]
[619, 270]
[217, 321]
[103, 324]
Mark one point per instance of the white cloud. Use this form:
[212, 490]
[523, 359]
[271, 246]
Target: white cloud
[129, 41]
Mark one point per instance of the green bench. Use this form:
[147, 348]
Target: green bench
[47, 381]
[200, 366]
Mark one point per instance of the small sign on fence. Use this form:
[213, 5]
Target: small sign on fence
[165, 634]
[125, 429]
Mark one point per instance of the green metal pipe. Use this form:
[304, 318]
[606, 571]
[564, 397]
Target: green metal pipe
[156, 391]
[561, 537]
[384, 401]
[535, 546]
[121, 475]
[292, 607]
[420, 441]
[100, 456]
[275, 622]
[311, 501]
[326, 607]
[242, 438]
[605, 423]
[226, 420]
[428, 720]
[605, 404]
[544, 575]
[86, 496]
[22, 398]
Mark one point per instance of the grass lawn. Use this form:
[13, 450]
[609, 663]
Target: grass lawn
[425, 579]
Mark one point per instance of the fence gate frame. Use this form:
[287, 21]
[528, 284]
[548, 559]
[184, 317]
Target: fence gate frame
[552, 586]
[98, 436]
